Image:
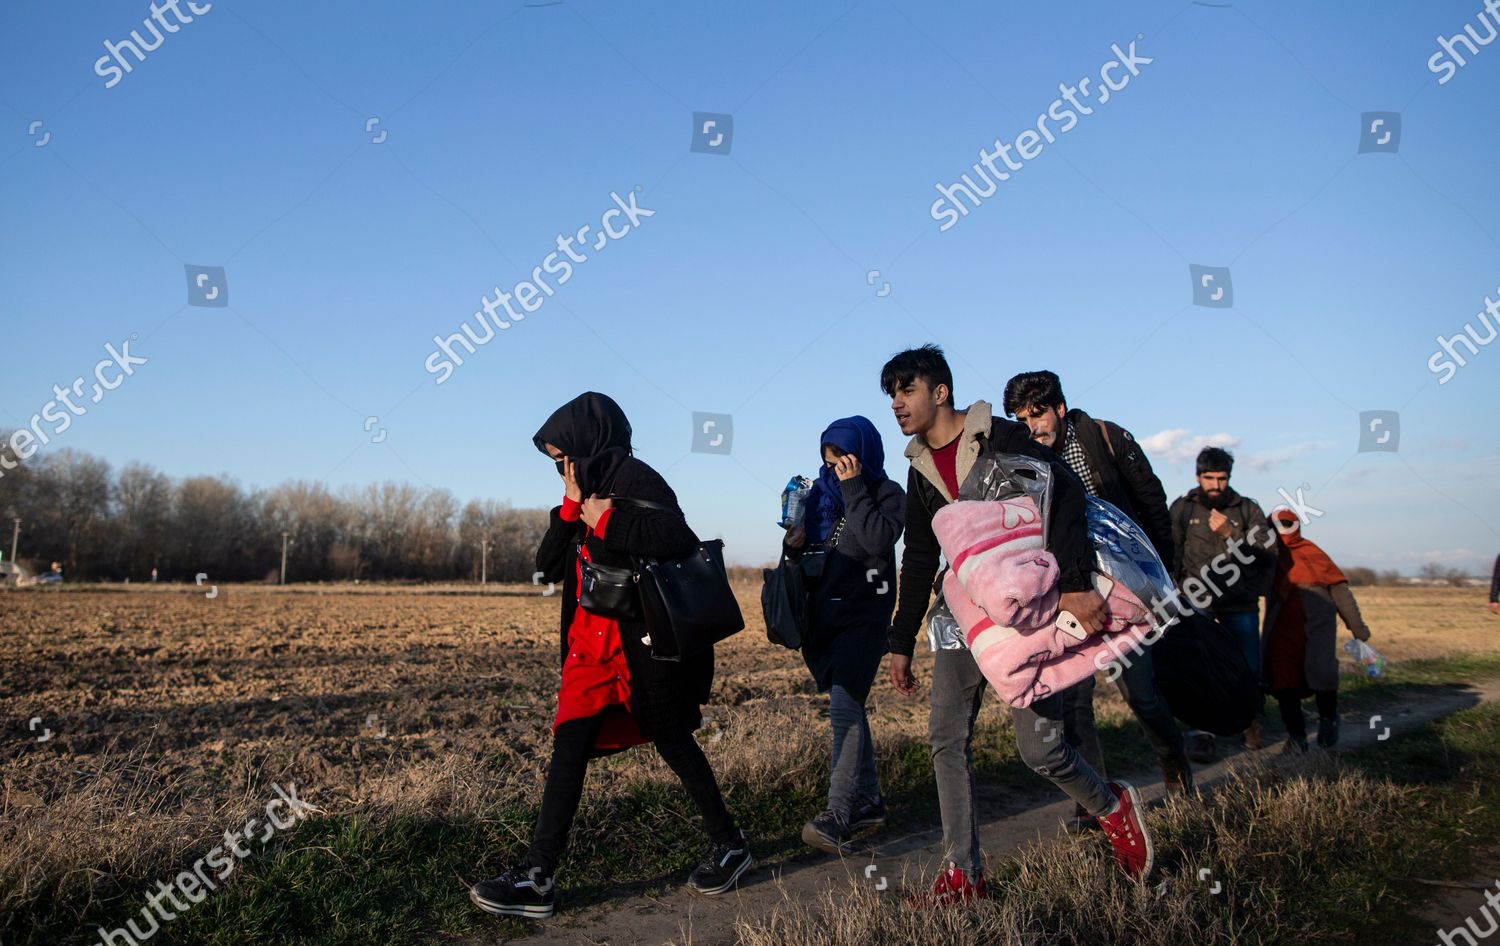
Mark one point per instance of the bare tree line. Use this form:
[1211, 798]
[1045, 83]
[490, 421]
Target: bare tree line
[107, 525]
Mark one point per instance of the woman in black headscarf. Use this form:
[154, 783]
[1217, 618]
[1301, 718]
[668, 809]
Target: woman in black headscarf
[614, 695]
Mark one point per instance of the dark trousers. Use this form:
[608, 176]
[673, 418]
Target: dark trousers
[572, 742]
[1290, 704]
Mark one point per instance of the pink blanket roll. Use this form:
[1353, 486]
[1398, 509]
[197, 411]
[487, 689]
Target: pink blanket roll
[1002, 590]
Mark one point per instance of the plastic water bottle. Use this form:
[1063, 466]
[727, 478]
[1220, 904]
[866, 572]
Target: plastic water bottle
[794, 501]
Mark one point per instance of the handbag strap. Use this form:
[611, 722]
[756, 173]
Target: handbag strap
[832, 542]
[662, 507]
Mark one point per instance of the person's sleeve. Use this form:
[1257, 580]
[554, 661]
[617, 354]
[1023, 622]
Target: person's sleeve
[1348, 608]
[918, 569]
[643, 532]
[1067, 533]
[1179, 536]
[1147, 496]
[1259, 534]
[1495, 582]
[555, 552]
[871, 526]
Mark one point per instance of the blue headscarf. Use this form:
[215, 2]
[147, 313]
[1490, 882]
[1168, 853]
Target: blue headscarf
[825, 502]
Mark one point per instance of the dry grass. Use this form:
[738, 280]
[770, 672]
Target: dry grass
[172, 714]
[1265, 836]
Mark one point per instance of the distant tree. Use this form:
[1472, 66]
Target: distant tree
[1435, 572]
[1359, 575]
[122, 526]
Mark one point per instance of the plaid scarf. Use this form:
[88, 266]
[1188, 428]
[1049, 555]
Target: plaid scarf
[1073, 455]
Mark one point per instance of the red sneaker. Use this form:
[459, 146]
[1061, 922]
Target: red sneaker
[1127, 833]
[951, 889]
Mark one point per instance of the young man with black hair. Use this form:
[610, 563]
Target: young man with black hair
[1113, 468]
[1211, 521]
[945, 444]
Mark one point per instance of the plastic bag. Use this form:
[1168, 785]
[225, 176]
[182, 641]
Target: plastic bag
[1124, 553]
[943, 632]
[1366, 656]
[1008, 476]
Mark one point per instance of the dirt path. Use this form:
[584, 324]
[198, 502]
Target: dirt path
[912, 857]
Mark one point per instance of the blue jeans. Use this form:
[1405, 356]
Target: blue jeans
[1246, 626]
[852, 780]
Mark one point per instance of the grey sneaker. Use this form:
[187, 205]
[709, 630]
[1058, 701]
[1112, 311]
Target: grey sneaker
[868, 814]
[827, 832]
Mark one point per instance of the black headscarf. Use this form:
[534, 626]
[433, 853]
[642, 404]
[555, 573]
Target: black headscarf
[594, 432]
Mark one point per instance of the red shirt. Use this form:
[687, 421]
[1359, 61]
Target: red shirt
[946, 459]
[595, 677]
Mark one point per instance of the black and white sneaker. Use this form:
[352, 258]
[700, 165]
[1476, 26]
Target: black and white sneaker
[521, 891]
[827, 832]
[869, 813]
[721, 867]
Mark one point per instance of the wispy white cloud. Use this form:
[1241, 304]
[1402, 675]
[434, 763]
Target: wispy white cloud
[1265, 462]
[1450, 443]
[1178, 444]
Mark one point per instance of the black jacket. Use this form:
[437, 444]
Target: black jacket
[1495, 581]
[858, 583]
[1196, 546]
[1067, 537]
[659, 690]
[1125, 478]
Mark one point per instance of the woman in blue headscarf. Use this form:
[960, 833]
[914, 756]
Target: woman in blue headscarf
[847, 550]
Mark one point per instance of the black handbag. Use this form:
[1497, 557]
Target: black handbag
[688, 603]
[783, 602]
[608, 590]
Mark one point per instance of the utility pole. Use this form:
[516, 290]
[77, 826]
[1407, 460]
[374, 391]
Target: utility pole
[284, 536]
[484, 562]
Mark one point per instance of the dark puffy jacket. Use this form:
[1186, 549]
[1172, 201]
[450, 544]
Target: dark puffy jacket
[1196, 546]
[1067, 532]
[1125, 478]
[634, 532]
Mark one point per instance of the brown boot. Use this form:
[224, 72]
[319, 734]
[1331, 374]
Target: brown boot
[1252, 735]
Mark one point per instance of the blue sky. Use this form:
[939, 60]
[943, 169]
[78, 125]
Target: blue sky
[242, 142]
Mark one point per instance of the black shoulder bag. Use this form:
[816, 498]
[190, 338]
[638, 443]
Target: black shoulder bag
[686, 602]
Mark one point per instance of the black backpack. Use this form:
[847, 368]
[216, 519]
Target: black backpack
[1202, 674]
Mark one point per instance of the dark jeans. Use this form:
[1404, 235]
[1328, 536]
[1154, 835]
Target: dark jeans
[571, 744]
[1290, 705]
[1137, 683]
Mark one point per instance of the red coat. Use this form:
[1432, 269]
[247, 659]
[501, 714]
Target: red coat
[595, 677]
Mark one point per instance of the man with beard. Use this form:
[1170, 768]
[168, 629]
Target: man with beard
[1113, 468]
[1208, 522]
